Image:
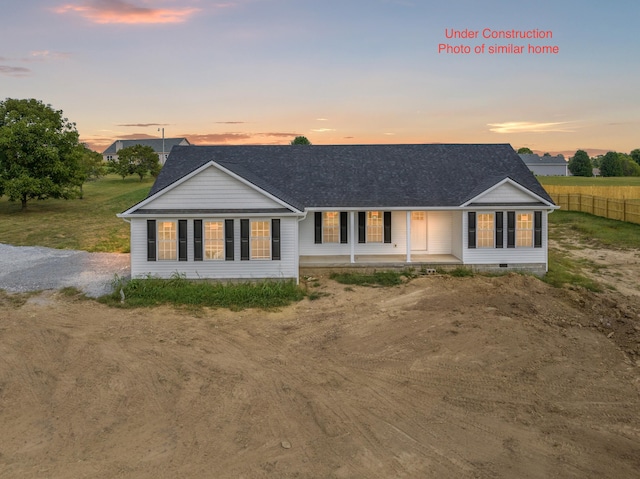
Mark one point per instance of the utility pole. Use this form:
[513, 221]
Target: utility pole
[163, 157]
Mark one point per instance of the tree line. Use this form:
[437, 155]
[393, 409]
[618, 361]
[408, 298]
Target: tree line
[612, 163]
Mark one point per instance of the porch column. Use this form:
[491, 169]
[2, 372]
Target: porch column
[408, 236]
[352, 235]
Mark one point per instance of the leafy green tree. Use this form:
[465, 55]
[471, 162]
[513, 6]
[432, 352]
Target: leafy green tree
[136, 160]
[39, 152]
[117, 166]
[580, 164]
[91, 167]
[547, 154]
[300, 140]
[611, 165]
[629, 167]
[635, 155]
[525, 151]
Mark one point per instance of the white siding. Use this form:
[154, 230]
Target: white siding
[456, 233]
[440, 232]
[286, 267]
[549, 170]
[398, 243]
[505, 193]
[528, 255]
[212, 188]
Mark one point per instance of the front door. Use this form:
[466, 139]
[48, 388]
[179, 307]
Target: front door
[419, 231]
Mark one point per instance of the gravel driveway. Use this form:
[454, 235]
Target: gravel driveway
[34, 268]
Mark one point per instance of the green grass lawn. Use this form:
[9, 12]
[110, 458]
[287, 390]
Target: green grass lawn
[88, 224]
[596, 229]
[583, 181]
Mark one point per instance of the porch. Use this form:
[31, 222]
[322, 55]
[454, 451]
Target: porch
[380, 261]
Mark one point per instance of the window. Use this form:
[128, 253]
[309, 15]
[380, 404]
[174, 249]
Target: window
[213, 240]
[524, 230]
[374, 226]
[260, 240]
[485, 230]
[167, 240]
[330, 227]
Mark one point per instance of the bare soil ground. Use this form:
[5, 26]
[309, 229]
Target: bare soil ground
[441, 377]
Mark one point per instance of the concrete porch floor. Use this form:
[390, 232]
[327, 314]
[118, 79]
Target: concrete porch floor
[379, 261]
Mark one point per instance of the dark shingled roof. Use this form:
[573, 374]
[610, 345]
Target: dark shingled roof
[533, 160]
[361, 176]
[155, 143]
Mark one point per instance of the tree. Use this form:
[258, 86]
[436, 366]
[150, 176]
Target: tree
[547, 154]
[300, 140]
[39, 152]
[525, 151]
[580, 164]
[611, 165]
[629, 167]
[136, 160]
[635, 155]
[91, 166]
[119, 167]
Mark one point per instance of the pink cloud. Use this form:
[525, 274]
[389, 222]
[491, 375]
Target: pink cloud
[120, 11]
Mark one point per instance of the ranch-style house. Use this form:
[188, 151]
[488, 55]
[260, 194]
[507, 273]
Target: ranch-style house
[245, 212]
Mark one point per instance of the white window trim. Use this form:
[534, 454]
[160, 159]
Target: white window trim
[530, 230]
[264, 238]
[205, 241]
[334, 229]
[491, 230]
[160, 242]
[368, 227]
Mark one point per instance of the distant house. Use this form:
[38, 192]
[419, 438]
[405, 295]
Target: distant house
[229, 212]
[546, 165]
[160, 146]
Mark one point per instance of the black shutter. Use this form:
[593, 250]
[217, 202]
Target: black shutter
[151, 240]
[537, 229]
[197, 240]
[318, 227]
[471, 229]
[244, 240]
[228, 240]
[362, 227]
[182, 240]
[511, 229]
[275, 239]
[499, 229]
[387, 226]
[344, 224]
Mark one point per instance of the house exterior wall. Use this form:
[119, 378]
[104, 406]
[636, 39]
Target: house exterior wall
[212, 188]
[440, 232]
[442, 236]
[518, 258]
[456, 233]
[398, 244]
[505, 193]
[549, 170]
[286, 267]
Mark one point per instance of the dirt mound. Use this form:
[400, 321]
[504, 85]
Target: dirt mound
[441, 377]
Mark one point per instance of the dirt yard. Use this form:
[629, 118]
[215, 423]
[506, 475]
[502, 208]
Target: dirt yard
[441, 377]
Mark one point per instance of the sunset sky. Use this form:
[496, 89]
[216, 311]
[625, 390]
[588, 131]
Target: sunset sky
[338, 72]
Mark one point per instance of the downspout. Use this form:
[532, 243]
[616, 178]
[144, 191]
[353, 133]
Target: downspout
[298, 247]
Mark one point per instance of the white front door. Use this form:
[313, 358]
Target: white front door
[418, 231]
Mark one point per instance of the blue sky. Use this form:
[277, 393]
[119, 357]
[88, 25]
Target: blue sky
[350, 71]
